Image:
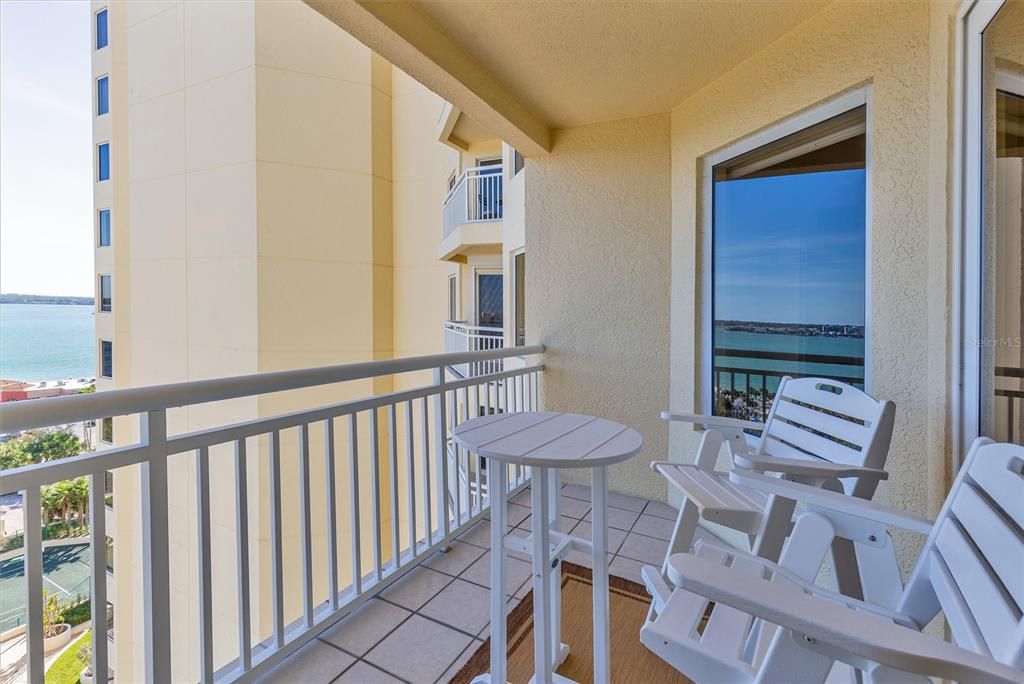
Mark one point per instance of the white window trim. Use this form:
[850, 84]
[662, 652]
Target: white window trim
[486, 270]
[99, 293]
[452, 306]
[514, 300]
[972, 19]
[99, 227]
[95, 36]
[96, 161]
[96, 91]
[793, 124]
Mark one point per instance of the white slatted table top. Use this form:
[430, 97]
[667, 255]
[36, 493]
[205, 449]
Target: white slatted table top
[549, 440]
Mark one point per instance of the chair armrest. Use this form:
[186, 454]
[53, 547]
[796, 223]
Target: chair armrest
[847, 634]
[712, 421]
[792, 466]
[824, 499]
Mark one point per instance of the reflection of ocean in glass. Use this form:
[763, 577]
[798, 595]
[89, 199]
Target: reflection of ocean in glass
[47, 341]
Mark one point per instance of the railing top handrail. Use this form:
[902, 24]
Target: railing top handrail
[791, 356]
[455, 325]
[495, 170]
[38, 413]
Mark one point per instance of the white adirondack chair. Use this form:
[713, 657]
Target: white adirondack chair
[819, 432]
[769, 623]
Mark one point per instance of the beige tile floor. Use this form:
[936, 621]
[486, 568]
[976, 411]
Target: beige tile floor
[425, 627]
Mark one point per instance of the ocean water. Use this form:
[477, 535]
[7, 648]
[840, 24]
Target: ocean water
[831, 346]
[47, 341]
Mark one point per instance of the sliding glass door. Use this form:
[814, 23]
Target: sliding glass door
[1000, 352]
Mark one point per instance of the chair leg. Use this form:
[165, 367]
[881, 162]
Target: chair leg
[683, 533]
[775, 526]
[791, 659]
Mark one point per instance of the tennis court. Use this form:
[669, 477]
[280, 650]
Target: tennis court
[65, 574]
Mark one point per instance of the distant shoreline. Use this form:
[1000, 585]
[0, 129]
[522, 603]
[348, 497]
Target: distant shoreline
[15, 298]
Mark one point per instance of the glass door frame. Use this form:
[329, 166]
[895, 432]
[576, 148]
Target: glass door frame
[973, 18]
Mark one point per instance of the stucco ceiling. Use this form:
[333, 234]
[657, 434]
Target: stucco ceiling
[572, 62]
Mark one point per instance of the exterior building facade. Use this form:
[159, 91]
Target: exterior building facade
[269, 195]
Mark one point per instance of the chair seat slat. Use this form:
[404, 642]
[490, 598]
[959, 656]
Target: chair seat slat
[983, 595]
[998, 540]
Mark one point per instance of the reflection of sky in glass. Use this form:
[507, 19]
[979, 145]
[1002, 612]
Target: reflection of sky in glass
[790, 249]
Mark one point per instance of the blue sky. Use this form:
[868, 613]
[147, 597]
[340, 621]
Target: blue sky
[790, 249]
[46, 226]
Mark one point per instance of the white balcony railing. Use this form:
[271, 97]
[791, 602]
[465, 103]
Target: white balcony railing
[476, 196]
[461, 337]
[416, 494]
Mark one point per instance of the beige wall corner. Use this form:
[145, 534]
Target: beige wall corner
[597, 229]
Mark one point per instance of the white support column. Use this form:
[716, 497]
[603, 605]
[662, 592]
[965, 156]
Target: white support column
[33, 563]
[599, 540]
[98, 575]
[156, 576]
[499, 671]
[559, 650]
[542, 598]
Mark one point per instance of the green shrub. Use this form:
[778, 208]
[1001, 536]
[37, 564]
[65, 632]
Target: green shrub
[68, 667]
[77, 613]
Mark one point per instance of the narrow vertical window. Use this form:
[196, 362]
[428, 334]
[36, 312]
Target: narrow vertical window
[110, 555]
[101, 29]
[518, 162]
[519, 305]
[103, 162]
[102, 95]
[453, 298]
[104, 227]
[789, 264]
[106, 293]
[107, 435]
[108, 477]
[106, 359]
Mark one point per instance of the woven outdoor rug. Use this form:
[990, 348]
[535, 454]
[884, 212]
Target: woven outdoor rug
[631, 661]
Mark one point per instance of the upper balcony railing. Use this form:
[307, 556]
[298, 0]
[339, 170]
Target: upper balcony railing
[368, 528]
[743, 390]
[476, 196]
[461, 337]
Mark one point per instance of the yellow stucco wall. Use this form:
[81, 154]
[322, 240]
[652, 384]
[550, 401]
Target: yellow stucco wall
[598, 212]
[900, 52]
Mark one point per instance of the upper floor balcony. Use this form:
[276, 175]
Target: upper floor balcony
[473, 212]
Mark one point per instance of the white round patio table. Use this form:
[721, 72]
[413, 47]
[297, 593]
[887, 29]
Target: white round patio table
[547, 442]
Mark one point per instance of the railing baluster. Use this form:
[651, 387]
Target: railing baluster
[353, 495]
[156, 577]
[306, 526]
[276, 550]
[396, 535]
[33, 563]
[476, 457]
[410, 466]
[441, 456]
[375, 492]
[202, 458]
[453, 451]
[425, 418]
[332, 514]
[464, 456]
[98, 574]
[242, 551]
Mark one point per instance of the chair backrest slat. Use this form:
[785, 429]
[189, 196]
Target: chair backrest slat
[821, 419]
[972, 565]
